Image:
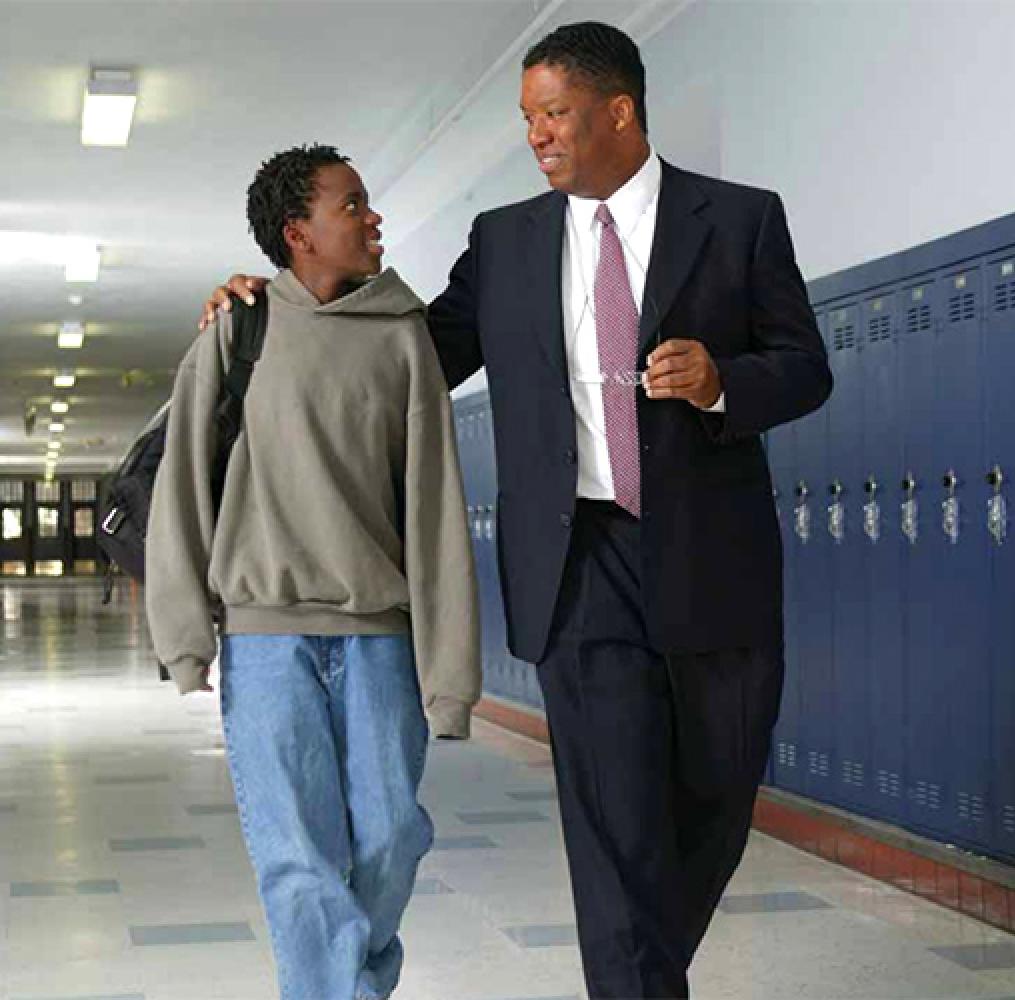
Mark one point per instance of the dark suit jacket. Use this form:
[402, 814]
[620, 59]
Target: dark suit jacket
[722, 271]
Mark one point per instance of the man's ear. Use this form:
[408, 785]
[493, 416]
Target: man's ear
[622, 110]
[296, 237]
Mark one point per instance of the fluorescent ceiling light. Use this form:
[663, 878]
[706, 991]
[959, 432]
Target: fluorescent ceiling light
[72, 335]
[110, 97]
[75, 299]
[54, 445]
[82, 262]
[65, 380]
[56, 427]
[78, 253]
[59, 406]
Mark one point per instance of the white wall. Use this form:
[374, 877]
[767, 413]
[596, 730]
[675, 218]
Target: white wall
[883, 123]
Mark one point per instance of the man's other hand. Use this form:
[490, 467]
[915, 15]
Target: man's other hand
[682, 369]
[241, 285]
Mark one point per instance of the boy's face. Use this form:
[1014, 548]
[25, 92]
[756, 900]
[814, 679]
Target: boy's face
[342, 234]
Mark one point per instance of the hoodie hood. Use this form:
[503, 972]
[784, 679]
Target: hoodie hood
[385, 295]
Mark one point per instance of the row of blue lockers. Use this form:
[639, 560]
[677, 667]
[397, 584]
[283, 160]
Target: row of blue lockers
[900, 578]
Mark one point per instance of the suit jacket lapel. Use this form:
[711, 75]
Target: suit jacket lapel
[544, 246]
[679, 237]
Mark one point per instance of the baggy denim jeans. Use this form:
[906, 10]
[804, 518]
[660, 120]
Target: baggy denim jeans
[326, 741]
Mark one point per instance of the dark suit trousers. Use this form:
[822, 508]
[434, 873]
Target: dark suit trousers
[658, 760]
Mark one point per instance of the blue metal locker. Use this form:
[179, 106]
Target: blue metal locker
[962, 558]
[814, 610]
[919, 524]
[843, 505]
[999, 365]
[882, 544]
[786, 769]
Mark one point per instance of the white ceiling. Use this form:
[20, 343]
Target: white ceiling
[416, 92]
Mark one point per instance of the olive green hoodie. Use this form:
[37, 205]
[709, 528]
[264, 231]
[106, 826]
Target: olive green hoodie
[342, 510]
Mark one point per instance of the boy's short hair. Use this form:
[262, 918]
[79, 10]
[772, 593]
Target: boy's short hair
[283, 190]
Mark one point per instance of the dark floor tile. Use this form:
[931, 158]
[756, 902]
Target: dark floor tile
[772, 902]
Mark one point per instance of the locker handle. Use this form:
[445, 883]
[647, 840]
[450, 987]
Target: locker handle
[909, 484]
[835, 488]
[802, 491]
[870, 487]
[950, 480]
[995, 477]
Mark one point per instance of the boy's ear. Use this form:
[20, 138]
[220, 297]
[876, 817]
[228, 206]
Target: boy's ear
[296, 237]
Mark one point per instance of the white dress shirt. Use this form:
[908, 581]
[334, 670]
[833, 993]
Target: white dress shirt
[633, 208]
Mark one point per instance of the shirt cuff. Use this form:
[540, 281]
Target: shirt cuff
[449, 718]
[719, 406]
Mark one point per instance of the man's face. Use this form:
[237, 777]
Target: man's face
[342, 232]
[571, 129]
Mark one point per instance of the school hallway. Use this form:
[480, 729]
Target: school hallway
[124, 876]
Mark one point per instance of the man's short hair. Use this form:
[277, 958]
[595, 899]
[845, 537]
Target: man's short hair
[282, 191]
[601, 55]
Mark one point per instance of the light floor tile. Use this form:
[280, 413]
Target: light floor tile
[467, 843]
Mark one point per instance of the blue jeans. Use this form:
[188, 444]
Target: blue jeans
[326, 741]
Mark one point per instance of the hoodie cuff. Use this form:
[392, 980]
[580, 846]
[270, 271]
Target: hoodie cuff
[449, 718]
[188, 672]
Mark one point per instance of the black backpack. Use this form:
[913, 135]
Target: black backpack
[123, 510]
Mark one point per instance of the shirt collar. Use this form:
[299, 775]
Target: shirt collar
[627, 204]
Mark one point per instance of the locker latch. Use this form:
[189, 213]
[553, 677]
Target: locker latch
[951, 511]
[802, 513]
[910, 509]
[997, 507]
[836, 512]
[872, 511]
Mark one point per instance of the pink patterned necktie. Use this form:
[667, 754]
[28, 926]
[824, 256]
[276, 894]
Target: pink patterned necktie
[617, 336]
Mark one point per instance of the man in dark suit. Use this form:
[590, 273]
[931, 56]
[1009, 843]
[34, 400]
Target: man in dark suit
[640, 327]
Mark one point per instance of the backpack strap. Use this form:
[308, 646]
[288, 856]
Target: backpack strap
[249, 325]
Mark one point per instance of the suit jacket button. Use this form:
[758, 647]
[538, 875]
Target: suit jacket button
[565, 519]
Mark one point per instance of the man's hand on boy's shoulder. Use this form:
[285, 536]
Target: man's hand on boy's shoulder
[241, 285]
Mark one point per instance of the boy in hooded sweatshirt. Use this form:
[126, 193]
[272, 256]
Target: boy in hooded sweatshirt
[340, 566]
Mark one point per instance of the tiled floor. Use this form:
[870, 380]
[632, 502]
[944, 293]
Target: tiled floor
[123, 876]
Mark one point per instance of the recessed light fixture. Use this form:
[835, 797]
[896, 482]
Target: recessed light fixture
[75, 299]
[72, 335]
[79, 255]
[54, 446]
[110, 97]
[64, 380]
[59, 406]
[56, 427]
[82, 261]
